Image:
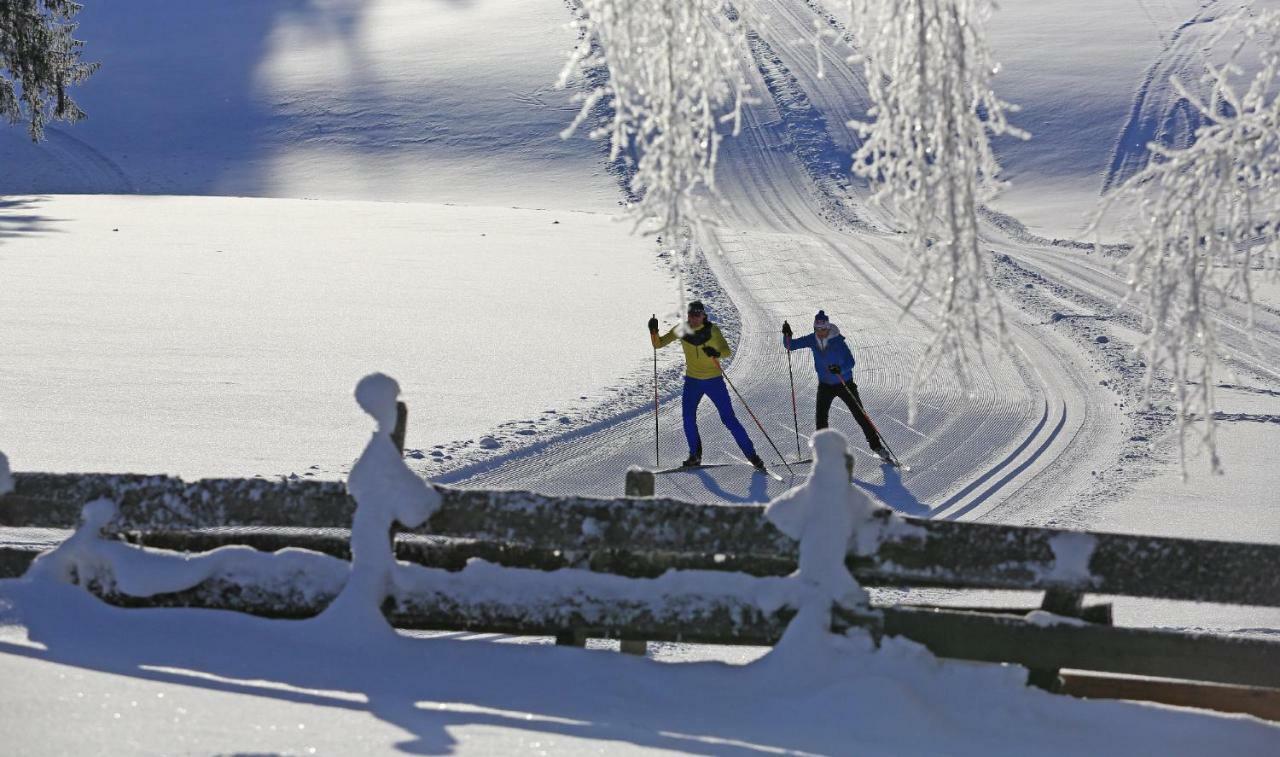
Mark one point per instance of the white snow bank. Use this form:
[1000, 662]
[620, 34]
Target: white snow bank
[86, 676]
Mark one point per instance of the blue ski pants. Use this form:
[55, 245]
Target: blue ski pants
[715, 388]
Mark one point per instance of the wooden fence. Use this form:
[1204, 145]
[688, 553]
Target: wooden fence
[644, 537]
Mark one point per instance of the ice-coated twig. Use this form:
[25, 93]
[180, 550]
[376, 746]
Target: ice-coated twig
[674, 75]
[926, 151]
[1205, 225]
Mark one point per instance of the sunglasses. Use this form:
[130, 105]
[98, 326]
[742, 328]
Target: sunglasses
[692, 313]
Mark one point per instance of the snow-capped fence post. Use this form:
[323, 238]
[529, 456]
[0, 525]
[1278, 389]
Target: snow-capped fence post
[827, 515]
[386, 492]
[639, 482]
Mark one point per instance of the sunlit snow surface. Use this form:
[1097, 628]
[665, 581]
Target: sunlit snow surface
[206, 336]
[196, 682]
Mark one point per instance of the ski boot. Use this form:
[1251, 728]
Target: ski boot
[757, 463]
[694, 459]
[884, 455]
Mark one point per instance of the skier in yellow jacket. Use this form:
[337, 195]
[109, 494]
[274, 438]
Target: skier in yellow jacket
[703, 346]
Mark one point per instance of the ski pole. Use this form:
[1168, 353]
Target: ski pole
[657, 452]
[795, 418]
[872, 423]
[759, 425]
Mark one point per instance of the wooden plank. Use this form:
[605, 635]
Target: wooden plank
[689, 618]
[1235, 660]
[452, 604]
[14, 560]
[1259, 702]
[975, 555]
[54, 500]
[737, 537]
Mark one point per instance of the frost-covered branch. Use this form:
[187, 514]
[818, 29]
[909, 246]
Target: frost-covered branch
[674, 75]
[1205, 221]
[926, 150]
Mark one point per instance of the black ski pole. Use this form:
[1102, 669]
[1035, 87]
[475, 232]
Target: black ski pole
[795, 418]
[657, 452]
[753, 416]
[872, 423]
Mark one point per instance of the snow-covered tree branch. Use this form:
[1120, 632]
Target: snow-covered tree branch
[929, 73]
[674, 75]
[39, 59]
[1205, 223]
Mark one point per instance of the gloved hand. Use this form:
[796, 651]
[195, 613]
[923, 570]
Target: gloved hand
[835, 369]
[711, 351]
[653, 325]
[786, 329]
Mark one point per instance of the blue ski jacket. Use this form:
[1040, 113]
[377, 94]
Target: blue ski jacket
[836, 352]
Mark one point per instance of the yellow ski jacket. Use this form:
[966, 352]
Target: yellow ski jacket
[696, 362]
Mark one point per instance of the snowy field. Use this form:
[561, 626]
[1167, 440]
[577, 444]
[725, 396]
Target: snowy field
[271, 200]
[211, 336]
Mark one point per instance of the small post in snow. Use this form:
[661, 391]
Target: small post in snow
[402, 425]
[639, 482]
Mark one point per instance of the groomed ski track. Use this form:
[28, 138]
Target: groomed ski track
[793, 236]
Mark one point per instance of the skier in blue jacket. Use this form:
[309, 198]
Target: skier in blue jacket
[833, 361]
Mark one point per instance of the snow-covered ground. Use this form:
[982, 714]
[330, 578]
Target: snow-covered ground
[342, 186]
[217, 336]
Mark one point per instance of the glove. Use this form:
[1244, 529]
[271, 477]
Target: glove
[786, 329]
[835, 369]
[711, 351]
[653, 325]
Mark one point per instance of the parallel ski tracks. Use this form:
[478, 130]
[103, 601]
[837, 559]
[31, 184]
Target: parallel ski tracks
[971, 451]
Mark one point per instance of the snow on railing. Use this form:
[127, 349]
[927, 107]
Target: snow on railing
[825, 514]
[638, 569]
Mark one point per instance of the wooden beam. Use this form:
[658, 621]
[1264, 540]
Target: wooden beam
[551, 608]
[1235, 660]
[1261, 703]
[737, 537]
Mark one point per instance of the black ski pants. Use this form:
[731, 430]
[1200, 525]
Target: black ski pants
[849, 393]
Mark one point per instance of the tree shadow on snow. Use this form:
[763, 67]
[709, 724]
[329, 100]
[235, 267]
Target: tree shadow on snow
[425, 686]
[18, 217]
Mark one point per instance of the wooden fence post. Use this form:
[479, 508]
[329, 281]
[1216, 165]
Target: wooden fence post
[397, 437]
[571, 637]
[1069, 604]
[639, 482]
[402, 424]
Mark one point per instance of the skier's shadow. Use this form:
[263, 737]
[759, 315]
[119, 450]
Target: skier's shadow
[893, 493]
[758, 491]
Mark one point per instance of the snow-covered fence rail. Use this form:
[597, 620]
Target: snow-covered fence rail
[645, 537]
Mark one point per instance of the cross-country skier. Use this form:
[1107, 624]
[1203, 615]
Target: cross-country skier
[703, 345]
[833, 361]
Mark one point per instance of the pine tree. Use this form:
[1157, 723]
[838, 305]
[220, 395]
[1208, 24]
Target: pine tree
[39, 59]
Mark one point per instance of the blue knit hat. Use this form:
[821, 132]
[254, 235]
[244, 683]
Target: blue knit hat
[820, 319]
